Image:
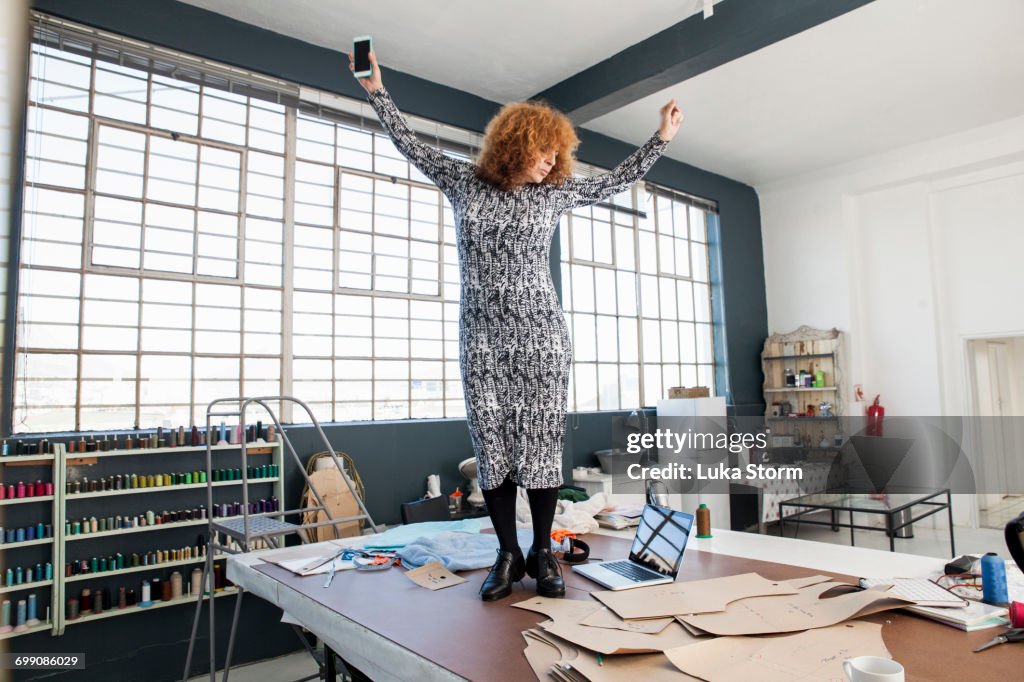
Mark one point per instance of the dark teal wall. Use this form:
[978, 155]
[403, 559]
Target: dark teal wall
[393, 458]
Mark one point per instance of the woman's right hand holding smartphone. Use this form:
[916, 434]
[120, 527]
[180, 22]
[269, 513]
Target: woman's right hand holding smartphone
[372, 83]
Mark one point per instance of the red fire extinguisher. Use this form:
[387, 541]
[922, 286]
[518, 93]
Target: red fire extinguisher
[876, 413]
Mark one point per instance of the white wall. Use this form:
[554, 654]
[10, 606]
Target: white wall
[909, 254]
[1018, 376]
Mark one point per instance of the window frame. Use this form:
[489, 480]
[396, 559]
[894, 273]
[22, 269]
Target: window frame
[203, 75]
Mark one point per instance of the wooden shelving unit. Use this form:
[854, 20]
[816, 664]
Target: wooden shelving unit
[794, 412]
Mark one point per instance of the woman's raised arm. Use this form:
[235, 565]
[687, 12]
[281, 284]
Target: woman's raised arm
[581, 192]
[444, 171]
[586, 191]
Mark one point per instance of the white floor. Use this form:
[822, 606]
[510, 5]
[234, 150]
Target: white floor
[927, 541]
[294, 666]
[996, 516]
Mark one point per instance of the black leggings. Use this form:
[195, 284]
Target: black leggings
[501, 504]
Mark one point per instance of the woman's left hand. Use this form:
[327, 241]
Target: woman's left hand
[671, 117]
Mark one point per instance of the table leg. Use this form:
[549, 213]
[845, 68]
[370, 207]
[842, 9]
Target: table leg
[331, 667]
[949, 508]
[782, 522]
[835, 520]
[851, 529]
[890, 532]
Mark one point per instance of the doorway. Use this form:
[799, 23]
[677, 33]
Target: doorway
[998, 373]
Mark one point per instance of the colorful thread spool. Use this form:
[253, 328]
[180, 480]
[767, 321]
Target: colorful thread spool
[146, 601]
[72, 608]
[20, 625]
[31, 618]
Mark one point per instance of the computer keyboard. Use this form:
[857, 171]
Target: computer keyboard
[919, 590]
[631, 571]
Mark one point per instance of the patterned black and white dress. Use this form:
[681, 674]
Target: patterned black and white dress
[514, 347]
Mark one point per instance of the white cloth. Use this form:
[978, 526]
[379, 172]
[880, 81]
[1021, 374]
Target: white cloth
[576, 516]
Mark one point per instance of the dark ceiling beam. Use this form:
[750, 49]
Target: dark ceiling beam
[689, 48]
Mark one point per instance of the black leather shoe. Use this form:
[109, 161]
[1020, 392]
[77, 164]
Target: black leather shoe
[509, 568]
[542, 565]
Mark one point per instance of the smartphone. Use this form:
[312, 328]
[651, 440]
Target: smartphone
[361, 48]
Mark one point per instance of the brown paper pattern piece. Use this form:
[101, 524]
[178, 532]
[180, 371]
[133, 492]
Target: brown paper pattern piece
[811, 656]
[696, 596]
[606, 618]
[433, 576]
[790, 613]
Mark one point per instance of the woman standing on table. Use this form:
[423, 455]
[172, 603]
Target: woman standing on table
[514, 346]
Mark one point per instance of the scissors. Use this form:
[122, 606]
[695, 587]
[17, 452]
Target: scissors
[363, 560]
[1013, 635]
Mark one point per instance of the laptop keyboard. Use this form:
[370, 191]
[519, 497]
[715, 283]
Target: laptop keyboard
[631, 571]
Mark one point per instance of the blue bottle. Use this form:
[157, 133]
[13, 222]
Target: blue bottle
[993, 579]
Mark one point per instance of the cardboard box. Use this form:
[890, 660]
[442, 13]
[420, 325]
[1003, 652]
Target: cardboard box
[339, 500]
[683, 392]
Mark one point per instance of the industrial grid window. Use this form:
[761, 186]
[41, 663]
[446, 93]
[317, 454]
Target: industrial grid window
[191, 232]
[635, 288]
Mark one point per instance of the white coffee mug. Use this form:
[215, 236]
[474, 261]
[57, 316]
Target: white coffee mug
[873, 669]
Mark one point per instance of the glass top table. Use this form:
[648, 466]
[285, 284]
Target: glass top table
[900, 507]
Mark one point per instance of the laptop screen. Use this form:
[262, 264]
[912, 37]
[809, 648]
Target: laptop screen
[660, 539]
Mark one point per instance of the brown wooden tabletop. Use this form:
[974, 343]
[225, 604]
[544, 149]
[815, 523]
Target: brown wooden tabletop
[454, 629]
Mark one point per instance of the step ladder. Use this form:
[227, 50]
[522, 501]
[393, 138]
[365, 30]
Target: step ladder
[241, 533]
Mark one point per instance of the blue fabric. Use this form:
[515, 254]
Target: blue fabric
[400, 536]
[458, 551]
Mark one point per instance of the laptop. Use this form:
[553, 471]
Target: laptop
[655, 556]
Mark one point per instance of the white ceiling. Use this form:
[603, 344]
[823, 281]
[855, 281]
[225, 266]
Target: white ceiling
[502, 51]
[889, 74]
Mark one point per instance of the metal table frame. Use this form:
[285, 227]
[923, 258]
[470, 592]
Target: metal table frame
[927, 498]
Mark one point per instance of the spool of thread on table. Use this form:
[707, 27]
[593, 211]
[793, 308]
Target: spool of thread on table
[1017, 614]
[5, 616]
[993, 579]
[703, 521]
[197, 577]
[175, 585]
[72, 608]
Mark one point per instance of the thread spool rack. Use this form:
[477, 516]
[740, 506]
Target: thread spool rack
[64, 506]
[15, 512]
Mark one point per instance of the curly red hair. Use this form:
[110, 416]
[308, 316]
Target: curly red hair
[516, 135]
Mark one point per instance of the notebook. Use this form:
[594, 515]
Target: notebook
[976, 616]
